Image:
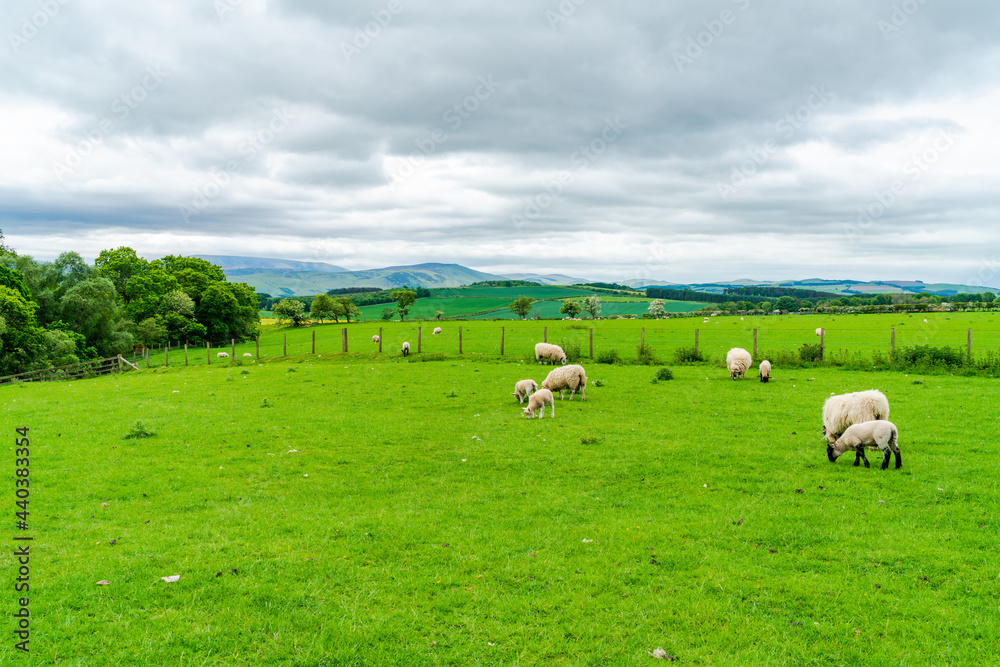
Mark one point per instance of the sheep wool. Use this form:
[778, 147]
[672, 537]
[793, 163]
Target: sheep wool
[537, 402]
[222, 355]
[247, 354]
[524, 389]
[437, 331]
[765, 370]
[406, 348]
[738, 361]
[549, 353]
[375, 338]
[570, 377]
[880, 433]
[844, 410]
[819, 331]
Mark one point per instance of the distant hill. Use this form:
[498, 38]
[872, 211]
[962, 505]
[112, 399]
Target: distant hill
[236, 262]
[838, 287]
[550, 279]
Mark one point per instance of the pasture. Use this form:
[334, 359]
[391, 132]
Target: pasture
[363, 509]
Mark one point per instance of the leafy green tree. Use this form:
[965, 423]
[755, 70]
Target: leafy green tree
[121, 266]
[151, 332]
[656, 308]
[290, 310]
[387, 313]
[146, 292]
[350, 310]
[5, 249]
[787, 303]
[22, 341]
[324, 307]
[766, 306]
[570, 308]
[522, 306]
[438, 314]
[91, 308]
[592, 304]
[404, 299]
[729, 306]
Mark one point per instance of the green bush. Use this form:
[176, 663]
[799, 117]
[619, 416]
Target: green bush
[925, 355]
[646, 355]
[572, 350]
[610, 356]
[686, 355]
[138, 431]
[811, 352]
[664, 373]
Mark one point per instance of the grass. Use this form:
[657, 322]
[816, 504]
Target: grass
[420, 520]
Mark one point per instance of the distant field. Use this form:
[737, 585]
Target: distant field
[511, 293]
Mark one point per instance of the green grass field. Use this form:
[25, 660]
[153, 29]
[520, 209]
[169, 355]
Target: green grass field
[363, 509]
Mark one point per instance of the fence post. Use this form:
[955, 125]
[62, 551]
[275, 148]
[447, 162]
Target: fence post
[501, 341]
[460, 340]
[545, 334]
[822, 347]
[968, 346]
[146, 354]
[208, 352]
[418, 339]
[284, 344]
[258, 348]
[591, 342]
[166, 357]
[380, 340]
[344, 337]
[185, 354]
[232, 343]
[314, 341]
[755, 343]
[892, 342]
[696, 341]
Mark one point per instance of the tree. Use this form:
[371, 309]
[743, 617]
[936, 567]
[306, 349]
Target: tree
[656, 308]
[387, 313]
[291, 310]
[570, 308]
[22, 341]
[522, 306]
[787, 303]
[350, 310]
[766, 306]
[120, 266]
[592, 304]
[4, 249]
[91, 308]
[438, 314]
[729, 307]
[325, 307]
[404, 298]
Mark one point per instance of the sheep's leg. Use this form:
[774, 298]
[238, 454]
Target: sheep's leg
[857, 457]
[571, 392]
[885, 459]
[899, 459]
[553, 409]
[861, 453]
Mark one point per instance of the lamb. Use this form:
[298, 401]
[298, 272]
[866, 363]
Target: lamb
[840, 412]
[765, 370]
[738, 361]
[247, 354]
[437, 331]
[376, 338]
[570, 377]
[549, 352]
[406, 348]
[222, 355]
[880, 433]
[537, 402]
[524, 389]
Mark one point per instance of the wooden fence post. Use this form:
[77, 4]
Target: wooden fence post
[314, 341]
[232, 343]
[591, 342]
[968, 346]
[460, 340]
[545, 334]
[380, 340]
[418, 339]
[185, 354]
[208, 352]
[755, 343]
[892, 342]
[166, 357]
[344, 337]
[284, 344]
[696, 341]
[501, 341]
[146, 354]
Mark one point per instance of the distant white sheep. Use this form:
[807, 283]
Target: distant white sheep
[375, 338]
[549, 353]
[880, 433]
[570, 377]
[524, 389]
[247, 354]
[222, 355]
[819, 331]
[843, 411]
[437, 331]
[406, 348]
[765, 370]
[537, 402]
[738, 361]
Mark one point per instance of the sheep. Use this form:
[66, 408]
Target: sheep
[570, 377]
[765, 370]
[537, 402]
[524, 389]
[549, 352]
[222, 355]
[819, 331]
[738, 361]
[406, 348]
[437, 331]
[375, 338]
[247, 354]
[880, 433]
[843, 411]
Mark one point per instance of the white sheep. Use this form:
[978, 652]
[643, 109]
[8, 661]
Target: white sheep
[570, 377]
[843, 411]
[819, 331]
[375, 338]
[406, 348]
[537, 402]
[222, 355]
[765, 370]
[524, 389]
[738, 361]
[247, 354]
[437, 331]
[880, 433]
[550, 353]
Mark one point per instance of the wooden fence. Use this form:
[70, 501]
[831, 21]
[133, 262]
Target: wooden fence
[85, 369]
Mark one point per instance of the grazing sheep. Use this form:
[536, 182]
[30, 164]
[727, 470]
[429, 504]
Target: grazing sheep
[524, 389]
[247, 354]
[375, 338]
[880, 433]
[222, 355]
[406, 348]
[765, 370]
[841, 412]
[738, 361]
[570, 377]
[437, 330]
[819, 331]
[537, 402]
[550, 353]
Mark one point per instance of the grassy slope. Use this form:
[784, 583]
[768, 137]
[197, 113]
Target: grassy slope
[437, 530]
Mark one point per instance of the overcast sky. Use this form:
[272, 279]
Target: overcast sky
[683, 141]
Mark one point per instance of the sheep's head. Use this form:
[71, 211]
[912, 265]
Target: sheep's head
[829, 437]
[563, 361]
[527, 413]
[735, 374]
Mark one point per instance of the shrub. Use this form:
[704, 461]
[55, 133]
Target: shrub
[811, 352]
[664, 373]
[610, 356]
[686, 355]
[646, 355]
[925, 355]
[138, 431]
[572, 350]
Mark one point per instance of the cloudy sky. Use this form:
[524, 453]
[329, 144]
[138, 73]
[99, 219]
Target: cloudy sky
[678, 140]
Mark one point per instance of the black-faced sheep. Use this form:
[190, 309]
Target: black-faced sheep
[765, 370]
[843, 411]
[549, 353]
[738, 361]
[880, 433]
[537, 402]
[524, 389]
[570, 377]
